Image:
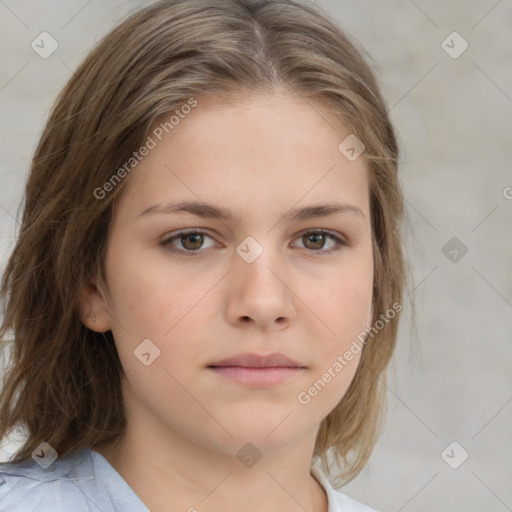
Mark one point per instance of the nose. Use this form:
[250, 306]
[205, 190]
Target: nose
[261, 293]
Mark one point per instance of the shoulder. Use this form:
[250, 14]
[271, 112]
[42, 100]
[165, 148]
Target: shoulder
[27, 487]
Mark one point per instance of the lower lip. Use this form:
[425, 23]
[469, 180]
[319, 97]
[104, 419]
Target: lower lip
[257, 377]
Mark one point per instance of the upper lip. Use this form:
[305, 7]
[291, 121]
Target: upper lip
[250, 360]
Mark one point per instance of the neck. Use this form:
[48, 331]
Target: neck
[177, 474]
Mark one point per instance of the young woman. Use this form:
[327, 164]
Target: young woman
[206, 286]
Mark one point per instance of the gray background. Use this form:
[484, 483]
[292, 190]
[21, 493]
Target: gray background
[451, 377]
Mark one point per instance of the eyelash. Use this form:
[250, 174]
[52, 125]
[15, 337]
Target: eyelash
[340, 243]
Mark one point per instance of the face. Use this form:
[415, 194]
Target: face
[259, 271]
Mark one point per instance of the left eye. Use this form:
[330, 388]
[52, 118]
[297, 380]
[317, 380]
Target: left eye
[192, 241]
[318, 238]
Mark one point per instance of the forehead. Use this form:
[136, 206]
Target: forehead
[260, 150]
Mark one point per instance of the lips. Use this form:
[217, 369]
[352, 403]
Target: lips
[250, 360]
[257, 371]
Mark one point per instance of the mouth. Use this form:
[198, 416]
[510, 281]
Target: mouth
[256, 370]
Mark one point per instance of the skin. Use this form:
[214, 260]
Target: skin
[259, 157]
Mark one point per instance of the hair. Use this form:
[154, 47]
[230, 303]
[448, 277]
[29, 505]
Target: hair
[63, 381]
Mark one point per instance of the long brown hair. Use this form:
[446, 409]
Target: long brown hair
[62, 383]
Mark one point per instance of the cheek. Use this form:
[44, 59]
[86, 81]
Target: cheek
[344, 308]
[344, 304]
[148, 298]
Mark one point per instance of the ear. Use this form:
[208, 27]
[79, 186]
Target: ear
[93, 308]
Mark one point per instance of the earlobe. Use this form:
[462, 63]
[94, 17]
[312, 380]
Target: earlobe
[93, 308]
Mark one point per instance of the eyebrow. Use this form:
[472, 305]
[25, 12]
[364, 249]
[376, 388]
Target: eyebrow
[209, 211]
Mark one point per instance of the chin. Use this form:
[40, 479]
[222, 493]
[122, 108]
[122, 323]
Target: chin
[268, 438]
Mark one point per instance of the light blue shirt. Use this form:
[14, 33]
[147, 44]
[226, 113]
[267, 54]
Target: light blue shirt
[86, 482]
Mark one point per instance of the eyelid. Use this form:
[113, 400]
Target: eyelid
[341, 240]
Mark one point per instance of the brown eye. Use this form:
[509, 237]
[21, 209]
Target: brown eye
[188, 243]
[192, 241]
[317, 240]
